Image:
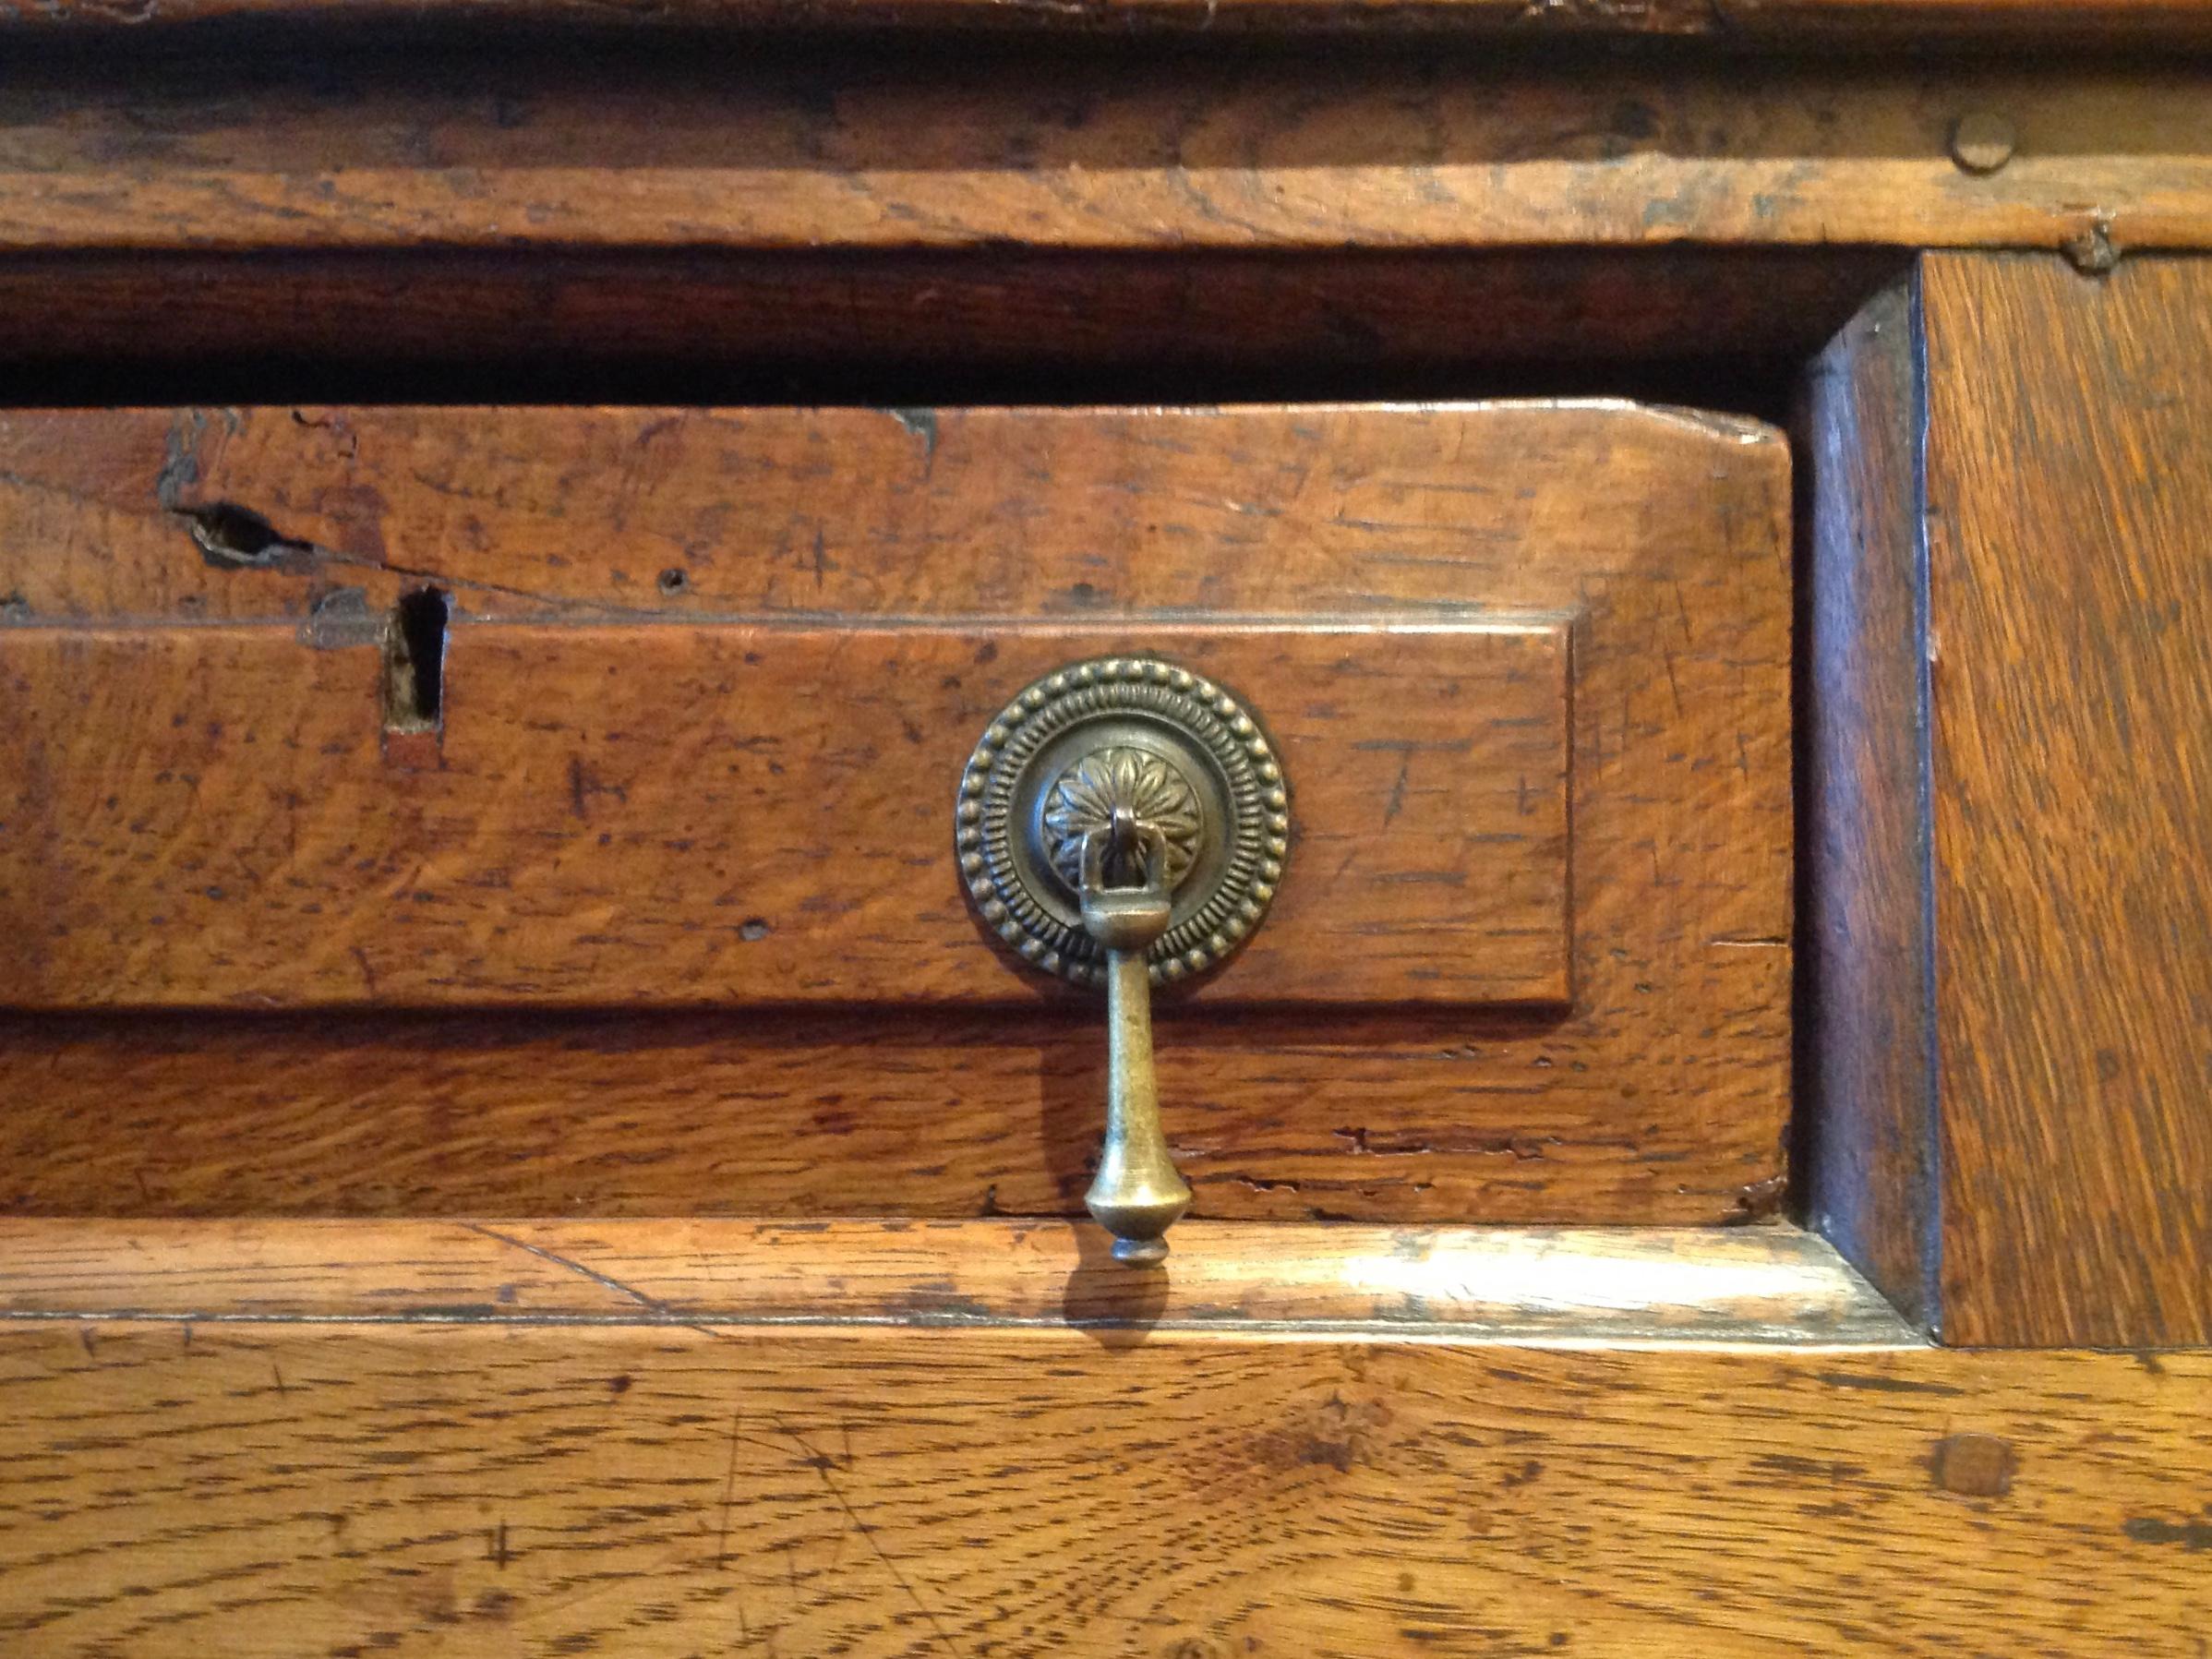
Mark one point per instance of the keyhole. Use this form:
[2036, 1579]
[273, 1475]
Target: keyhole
[415, 662]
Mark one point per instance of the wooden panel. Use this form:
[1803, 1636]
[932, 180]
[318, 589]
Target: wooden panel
[1660, 1097]
[472, 151]
[1738, 22]
[506, 1487]
[2070, 505]
[1745, 1284]
[1865, 1009]
[729, 814]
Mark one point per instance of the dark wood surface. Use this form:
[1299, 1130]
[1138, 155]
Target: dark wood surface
[2069, 470]
[1659, 1094]
[565, 325]
[738, 149]
[1773, 23]
[1865, 1097]
[450, 1485]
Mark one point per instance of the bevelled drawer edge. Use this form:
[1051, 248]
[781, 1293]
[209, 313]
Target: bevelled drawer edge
[1769, 1284]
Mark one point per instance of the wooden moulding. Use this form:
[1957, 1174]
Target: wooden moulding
[738, 153]
[2009, 801]
[192, 834]
[1754, 1284]
[563, 1437]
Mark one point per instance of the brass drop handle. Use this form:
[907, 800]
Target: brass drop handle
[1138, 1194]
[1123, 824]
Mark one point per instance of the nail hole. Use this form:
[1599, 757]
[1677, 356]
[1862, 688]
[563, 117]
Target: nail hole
[674, 581]
[754, 930]
[415, 662]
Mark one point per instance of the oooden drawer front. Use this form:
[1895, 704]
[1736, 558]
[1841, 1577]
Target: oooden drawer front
[701, 695]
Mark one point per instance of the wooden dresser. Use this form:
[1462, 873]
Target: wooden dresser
[1526, 687]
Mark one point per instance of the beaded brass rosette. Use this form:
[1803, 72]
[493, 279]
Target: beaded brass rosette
[1157, 743]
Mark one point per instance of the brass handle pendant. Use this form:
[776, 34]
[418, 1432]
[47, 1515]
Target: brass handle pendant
[1123, 824]
[1138, 1192]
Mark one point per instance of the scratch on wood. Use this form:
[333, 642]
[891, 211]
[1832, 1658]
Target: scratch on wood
[584, 784]
[368, 974]
[1396, 804]
[821, 1467]
[1882, 1385]
[577, 1268]
[729, 1487]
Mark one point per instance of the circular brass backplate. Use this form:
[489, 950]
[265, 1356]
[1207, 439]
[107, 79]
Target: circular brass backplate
[1168, 746]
